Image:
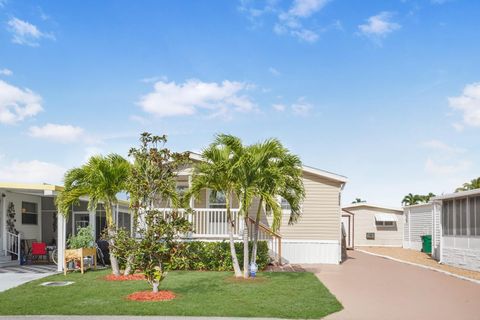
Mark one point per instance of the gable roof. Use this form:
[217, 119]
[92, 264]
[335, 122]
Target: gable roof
[317, 172]
[370, 205]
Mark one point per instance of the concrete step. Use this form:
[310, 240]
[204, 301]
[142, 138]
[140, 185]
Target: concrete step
[9, 263]
[5, 258]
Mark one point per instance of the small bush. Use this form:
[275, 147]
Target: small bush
[213, 256]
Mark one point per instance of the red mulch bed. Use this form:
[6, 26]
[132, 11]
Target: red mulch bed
[163, 295]
[136, 276]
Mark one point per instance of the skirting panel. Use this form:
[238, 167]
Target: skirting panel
[311, 251]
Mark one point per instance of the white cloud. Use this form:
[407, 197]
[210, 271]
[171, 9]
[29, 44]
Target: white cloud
[290, 22]
[279, 107]
[25, 33]
[379, 26]
[34, 171]
[468, 103]
[16, 104]
[305, 8]
[192, 96]
[274, 71]
[6, 72]
[57, 132]
[437, 145]
[301, 107]
[446, 169]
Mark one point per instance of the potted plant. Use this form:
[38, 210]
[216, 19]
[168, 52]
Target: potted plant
[80, 246]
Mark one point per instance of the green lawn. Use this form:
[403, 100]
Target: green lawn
[272, 294]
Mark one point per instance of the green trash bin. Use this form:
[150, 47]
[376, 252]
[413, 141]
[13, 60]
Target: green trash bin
[427, 243]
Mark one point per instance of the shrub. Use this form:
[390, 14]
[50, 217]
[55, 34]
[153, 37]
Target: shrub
[83, 239]
[213, 256]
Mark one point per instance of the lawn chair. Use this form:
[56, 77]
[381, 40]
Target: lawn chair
[39, 250]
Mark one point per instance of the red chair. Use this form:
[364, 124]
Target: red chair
[39, 249]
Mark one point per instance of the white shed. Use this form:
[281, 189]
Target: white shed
[420, 220]
[460, 240]
[376, 225]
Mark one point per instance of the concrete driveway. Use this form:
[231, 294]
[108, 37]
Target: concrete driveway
[373, 288]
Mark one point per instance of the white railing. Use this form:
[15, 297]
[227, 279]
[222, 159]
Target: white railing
[212, 223]
[13, 244]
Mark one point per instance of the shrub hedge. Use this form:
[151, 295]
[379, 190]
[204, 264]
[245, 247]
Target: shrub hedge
[214, 256]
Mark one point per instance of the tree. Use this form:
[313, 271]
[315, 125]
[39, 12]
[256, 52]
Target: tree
[100, 179]
[426, 198]
[152, 183]
[411, 199]
[279, 174]
[358, 200]
[472, 184]
[216, 172]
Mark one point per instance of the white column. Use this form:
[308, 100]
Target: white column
[92, 222]
[189, 186]
[61, 235]
[4, 221]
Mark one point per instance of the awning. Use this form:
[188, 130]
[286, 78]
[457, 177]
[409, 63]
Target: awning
[386, 217]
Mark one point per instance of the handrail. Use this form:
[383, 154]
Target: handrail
[14, 244]
[273, 234]
[265, 228]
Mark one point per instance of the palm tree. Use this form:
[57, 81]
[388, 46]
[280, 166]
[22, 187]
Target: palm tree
[216, 172]
[358, 200]
[473, 184]
[101, 179]
[411, 199]
[426, 198]
[279, 174]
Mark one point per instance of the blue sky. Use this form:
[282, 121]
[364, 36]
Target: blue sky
[386, 93]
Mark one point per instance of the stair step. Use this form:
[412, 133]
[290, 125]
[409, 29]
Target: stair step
[5, 258]
[11, 263]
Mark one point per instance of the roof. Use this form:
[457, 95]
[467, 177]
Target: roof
[30, 186]
[460, 194]
[317, 172]
[48, 189]
[371, 205]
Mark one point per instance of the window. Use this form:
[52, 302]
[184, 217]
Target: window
[181, 190]
[29, 213]
[477, 216]
[471, 209]
[217, 199]
[389, 224]
[284, 204]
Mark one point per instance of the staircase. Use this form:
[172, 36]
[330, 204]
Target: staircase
[6, 260]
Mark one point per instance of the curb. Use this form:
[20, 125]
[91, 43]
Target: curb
[421, 266]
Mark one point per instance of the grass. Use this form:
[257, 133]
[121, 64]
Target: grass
[273, 294]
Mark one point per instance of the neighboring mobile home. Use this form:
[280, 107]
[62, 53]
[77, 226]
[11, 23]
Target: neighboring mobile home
[376, 225]
[460, 226]
[420, 220]
[28, 213]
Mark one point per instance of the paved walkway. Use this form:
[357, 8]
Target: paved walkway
[373, 288]
[414, 256]
[11, 277]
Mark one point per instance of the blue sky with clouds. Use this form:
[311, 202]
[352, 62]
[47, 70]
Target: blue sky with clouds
[386, 93]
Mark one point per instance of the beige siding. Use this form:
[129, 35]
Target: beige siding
[364, 222]
[320, 219]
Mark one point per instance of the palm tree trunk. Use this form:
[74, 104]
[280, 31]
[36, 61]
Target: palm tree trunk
[246, 271]
[233, 252]
[111, 234]
[255, 232]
